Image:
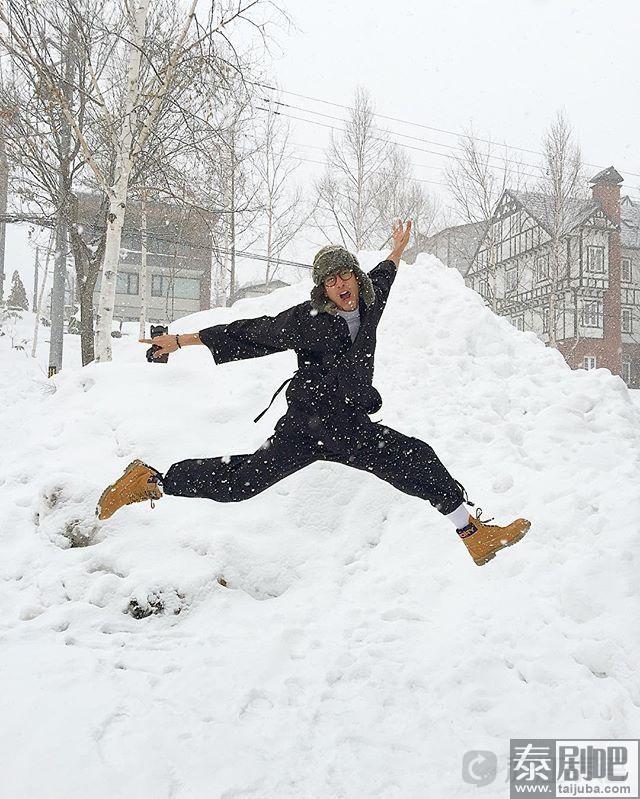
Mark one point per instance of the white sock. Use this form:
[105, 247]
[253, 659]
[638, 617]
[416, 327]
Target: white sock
[459, 517]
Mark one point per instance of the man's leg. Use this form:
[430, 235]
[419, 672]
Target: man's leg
[413, 467]
[238, 477]
[407, 463]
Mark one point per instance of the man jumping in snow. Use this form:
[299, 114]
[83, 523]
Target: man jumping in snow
[329, 398]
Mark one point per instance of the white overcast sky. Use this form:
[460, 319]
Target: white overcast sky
[505, 65]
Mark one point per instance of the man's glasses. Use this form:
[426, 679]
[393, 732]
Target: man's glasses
[345, 274]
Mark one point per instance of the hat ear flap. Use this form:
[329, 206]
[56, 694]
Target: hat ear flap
[366, 287]
[320, 301]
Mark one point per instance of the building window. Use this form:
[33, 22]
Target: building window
[545, 320]
[511, 279]
[627, 320]
[186, 288]
[127, 283]
[595, 259]
[626, 370]
[159, 285]
[592, 313]
[181, 288]
[518, 322]
[627, 276]
[589, 362]
[542, 268]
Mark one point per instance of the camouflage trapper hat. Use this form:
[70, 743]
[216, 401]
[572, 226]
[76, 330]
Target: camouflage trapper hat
[329, 261]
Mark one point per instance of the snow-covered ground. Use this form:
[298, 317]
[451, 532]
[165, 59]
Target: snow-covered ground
[356, 651]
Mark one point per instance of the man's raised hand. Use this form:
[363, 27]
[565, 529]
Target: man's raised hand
[401, 234]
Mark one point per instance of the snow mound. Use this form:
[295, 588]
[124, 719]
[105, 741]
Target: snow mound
[330, 637]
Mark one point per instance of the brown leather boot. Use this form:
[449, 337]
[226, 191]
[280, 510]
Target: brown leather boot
[484, 540]
[138, 483]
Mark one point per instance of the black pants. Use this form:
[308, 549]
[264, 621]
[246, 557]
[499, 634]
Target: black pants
[407, 463]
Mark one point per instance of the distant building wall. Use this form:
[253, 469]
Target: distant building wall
[179, 257]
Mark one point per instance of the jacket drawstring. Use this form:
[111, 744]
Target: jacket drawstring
[260, 415]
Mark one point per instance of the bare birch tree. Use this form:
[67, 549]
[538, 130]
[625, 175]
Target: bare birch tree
[368, 184]
[562, 183]
[126, 103]
[347, 201]
[399, 196]
[228, 163]
[284, 213]
[476, 184]
[49, 181]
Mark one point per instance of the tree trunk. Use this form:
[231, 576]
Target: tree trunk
[492, 258]
[36, 270]
[552, 317]
[60, 265]
[38, 308]
[118, 192]
[57, 299]
[232, 227]
[269, 241]
[86, 319]
[555, 267]
[4, 188]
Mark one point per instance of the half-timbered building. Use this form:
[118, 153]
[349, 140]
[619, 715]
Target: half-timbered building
[597, 285]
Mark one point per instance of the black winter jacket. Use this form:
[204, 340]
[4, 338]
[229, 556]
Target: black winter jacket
[334, 374]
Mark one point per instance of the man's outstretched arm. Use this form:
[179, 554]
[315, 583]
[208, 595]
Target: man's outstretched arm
[244, 338]
[383, 275]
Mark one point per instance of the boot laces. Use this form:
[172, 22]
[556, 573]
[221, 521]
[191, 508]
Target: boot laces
[145, 491]
[479, 513]
[467, 501]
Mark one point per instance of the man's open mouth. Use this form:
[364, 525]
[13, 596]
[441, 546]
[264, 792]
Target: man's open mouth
[344, 295]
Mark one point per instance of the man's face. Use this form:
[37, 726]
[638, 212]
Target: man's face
[345, 292]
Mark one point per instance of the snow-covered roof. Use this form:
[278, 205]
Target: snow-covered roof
[629, 223]
[540, 207]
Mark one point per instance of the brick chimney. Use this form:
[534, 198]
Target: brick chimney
[605, 188]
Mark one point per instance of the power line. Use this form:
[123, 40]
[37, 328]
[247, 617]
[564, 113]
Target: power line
[324, 163]
[409, 136]
[400, 144]
[423, 150]
[396, 119]
[507, 161]
[220, 250]
[323, 148]
[420, 124]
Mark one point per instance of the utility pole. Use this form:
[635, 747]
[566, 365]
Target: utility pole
[36, 269]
